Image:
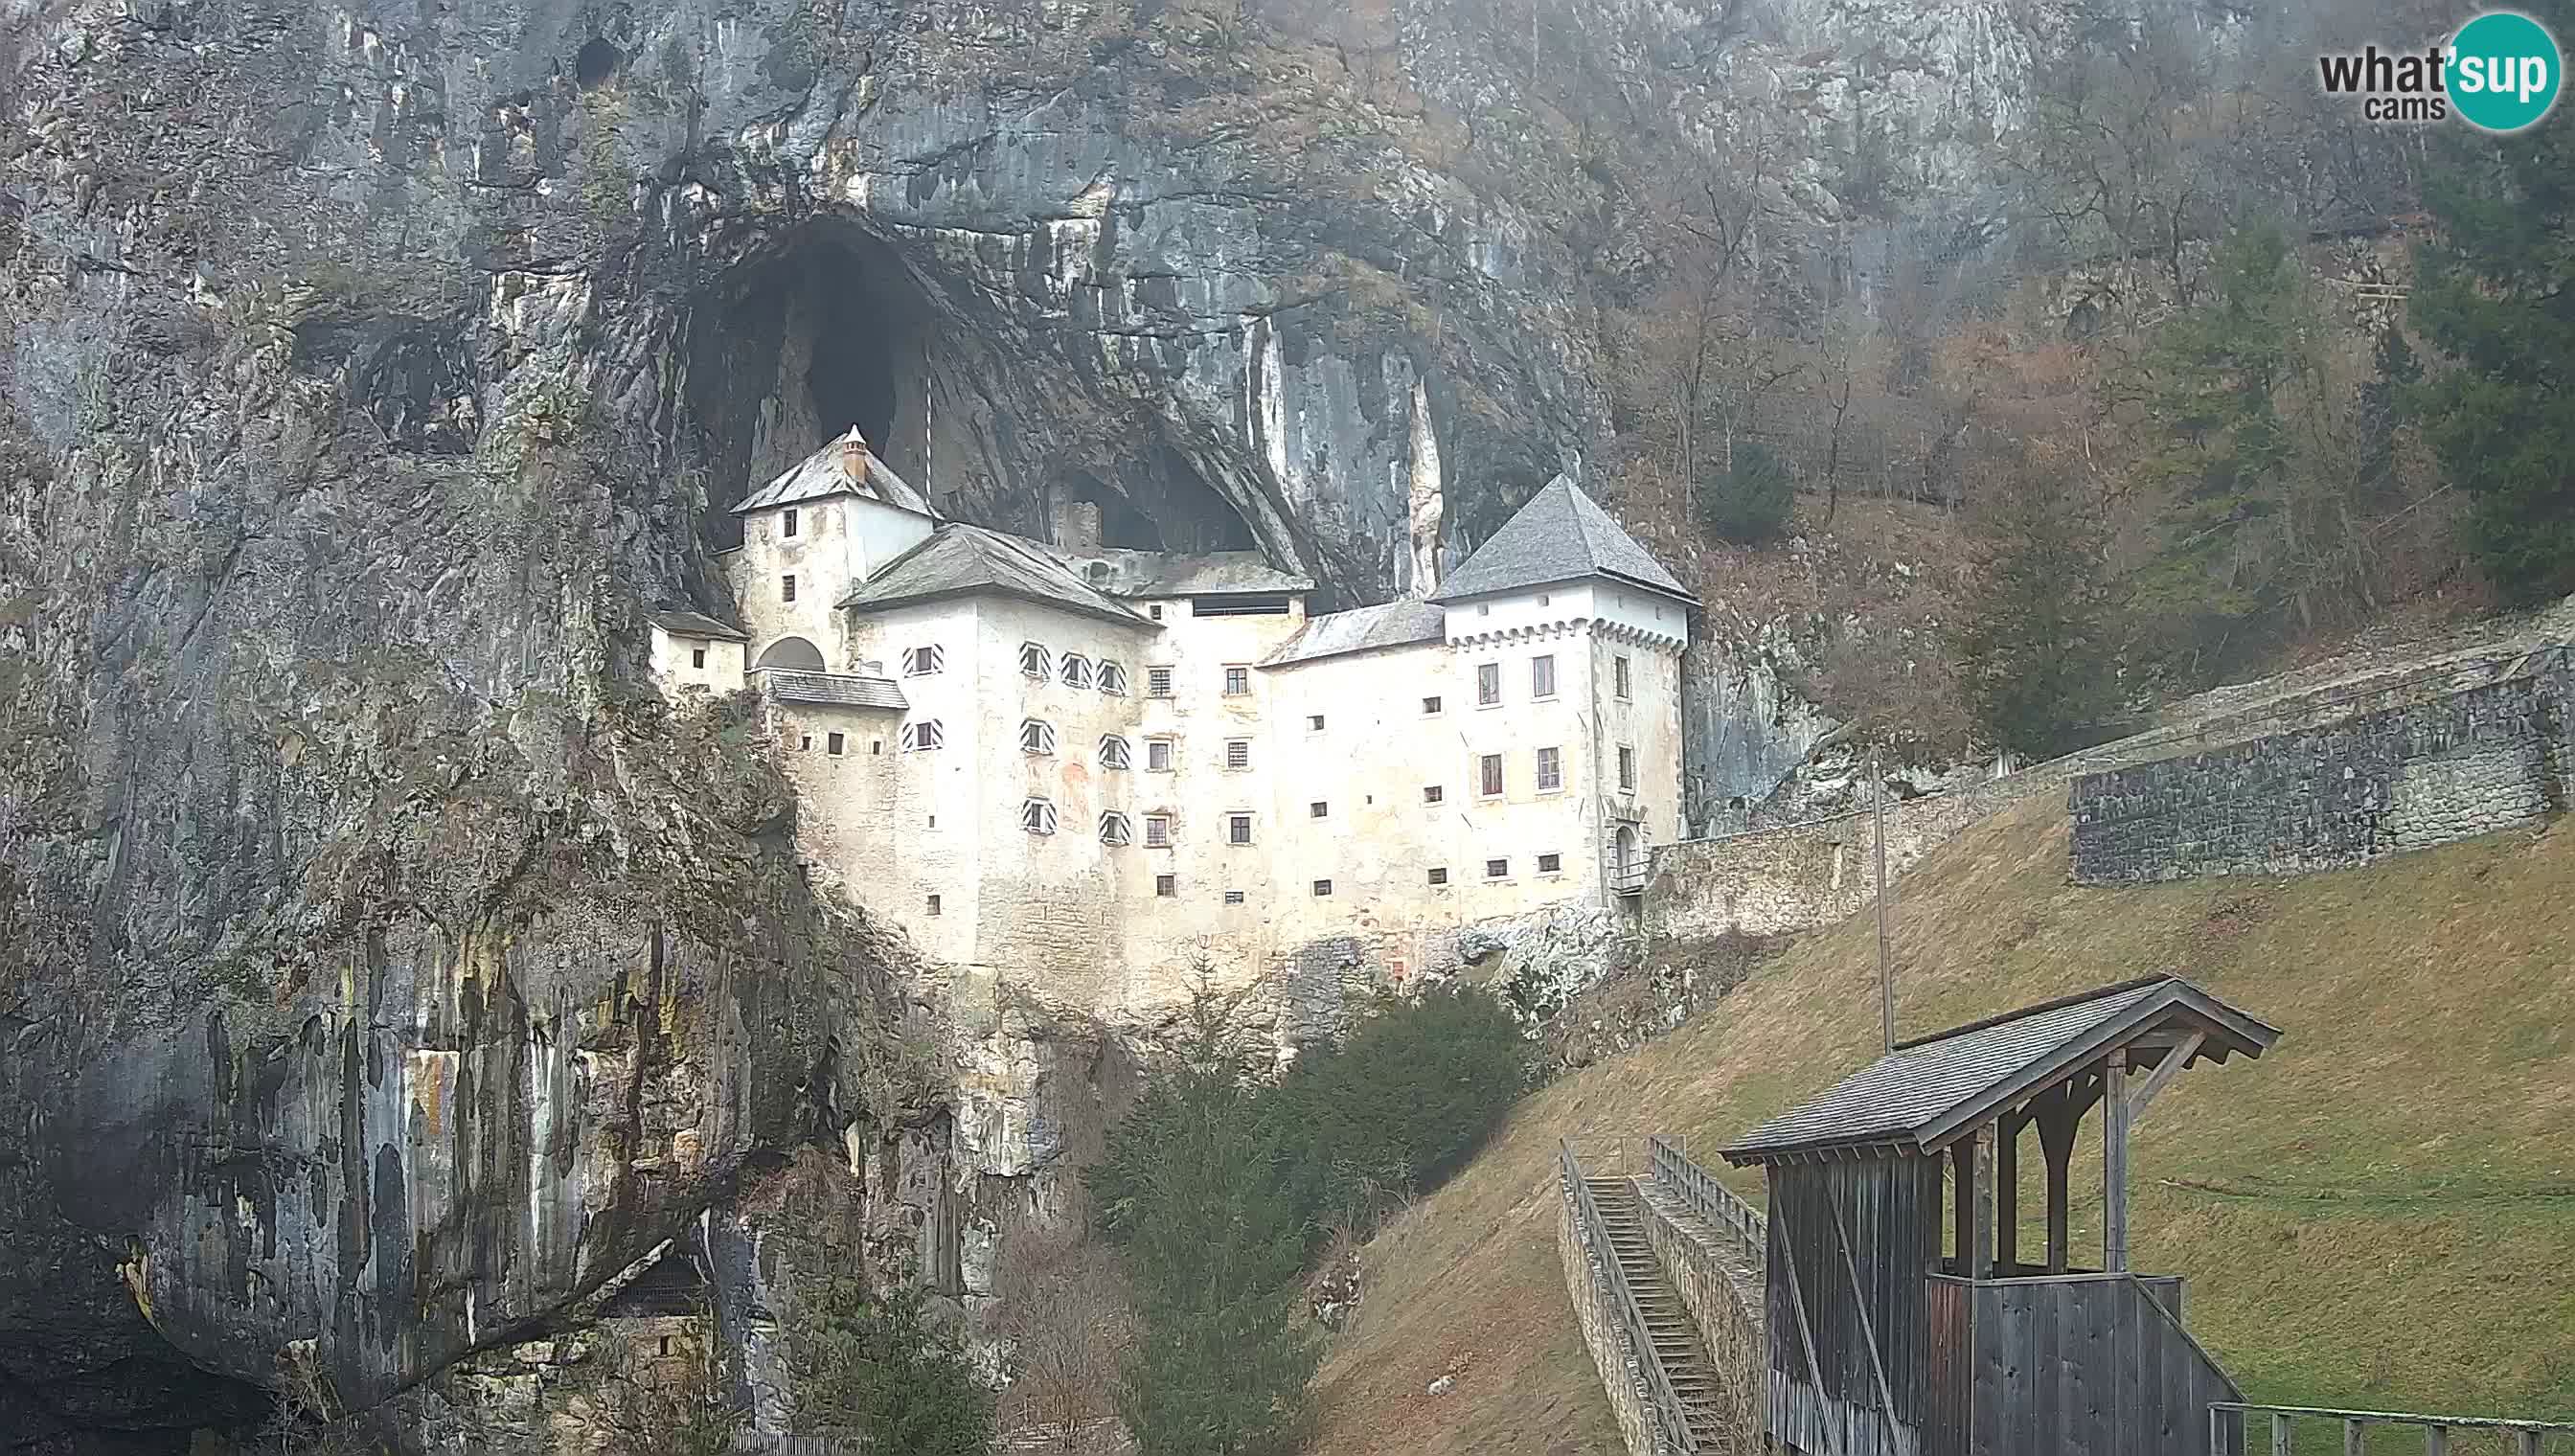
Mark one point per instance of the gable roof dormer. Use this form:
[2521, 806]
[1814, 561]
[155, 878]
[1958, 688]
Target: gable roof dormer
[1562, 535]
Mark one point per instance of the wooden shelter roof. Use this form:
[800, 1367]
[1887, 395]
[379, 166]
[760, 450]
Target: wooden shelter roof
[1917, 1099]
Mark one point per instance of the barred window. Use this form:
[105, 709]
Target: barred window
[1490, 775]
[1157, 681]
[1158, 831]
[1237, 753]
[1238, 829]
[1160, 754]
[1550, 768]
[1237, 682]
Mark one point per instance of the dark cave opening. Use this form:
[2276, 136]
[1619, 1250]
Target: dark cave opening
[850, 377]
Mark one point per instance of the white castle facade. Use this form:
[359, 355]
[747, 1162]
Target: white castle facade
[1084, 772]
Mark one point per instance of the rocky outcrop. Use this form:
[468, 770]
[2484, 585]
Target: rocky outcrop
[380, 968]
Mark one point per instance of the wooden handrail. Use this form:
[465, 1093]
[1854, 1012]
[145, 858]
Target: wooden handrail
[2436, 1429]
[1668, 1411]
[1710, 1198]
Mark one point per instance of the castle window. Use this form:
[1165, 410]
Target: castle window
[789, 528]
[1237, 682]
[833, 745]
[1618, 675]
[1166, 886]
[1433, 793]
[787, 589]
[1037, 816]
[1238, 829]
[697, 657]
[1439, 876]
[1157, 681]
[1551, 769]
[1113, 678]
[1157, 611]
[1035, 662]
[1627, 768]
[1322, 887]
[922, 660]
[1159, 755]
[1158, 832]
[1543, 599]
[1497, 869]
[1488, 684]
[1076, 672]
[804, 742]
[1114, 753]
[666, 1339]
[923, 735]
[1431, 706]
[1488, 775]
[1233, 896]
[1114, 828]
[933, 907]
[1317, 809]
[1237, 753]
[1037, 736]
[1543, 675]
[1550, 865]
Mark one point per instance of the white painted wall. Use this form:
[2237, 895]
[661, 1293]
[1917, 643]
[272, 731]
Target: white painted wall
[838, 542]
[675, 669]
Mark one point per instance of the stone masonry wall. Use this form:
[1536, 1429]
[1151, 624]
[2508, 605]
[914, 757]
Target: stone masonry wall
[1799, 876]
[2471, 762]
[1622, 1370]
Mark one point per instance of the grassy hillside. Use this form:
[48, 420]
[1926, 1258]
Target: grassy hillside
[2379, 1212]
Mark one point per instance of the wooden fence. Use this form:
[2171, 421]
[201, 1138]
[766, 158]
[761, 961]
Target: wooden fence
[2527, 1436]
[1710, 1199]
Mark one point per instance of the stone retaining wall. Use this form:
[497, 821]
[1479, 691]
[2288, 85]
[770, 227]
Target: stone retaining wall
[2491, 758]
[1623, 1371]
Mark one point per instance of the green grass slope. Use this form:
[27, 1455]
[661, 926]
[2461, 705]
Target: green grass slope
[2379, 1212]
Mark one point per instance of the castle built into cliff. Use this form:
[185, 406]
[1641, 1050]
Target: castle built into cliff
[1088, 771]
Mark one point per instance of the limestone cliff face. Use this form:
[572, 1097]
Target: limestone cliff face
[380, 967]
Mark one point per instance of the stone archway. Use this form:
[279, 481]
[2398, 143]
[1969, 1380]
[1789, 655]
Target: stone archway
[792, 651]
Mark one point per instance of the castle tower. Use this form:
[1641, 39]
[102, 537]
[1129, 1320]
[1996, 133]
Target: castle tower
[808, 537]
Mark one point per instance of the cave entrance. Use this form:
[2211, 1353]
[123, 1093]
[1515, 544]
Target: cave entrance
[829, 332]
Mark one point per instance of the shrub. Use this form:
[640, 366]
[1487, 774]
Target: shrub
[876, 1365]
[1749, 502]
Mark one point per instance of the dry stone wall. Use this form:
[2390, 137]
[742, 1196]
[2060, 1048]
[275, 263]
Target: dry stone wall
[2491, 758]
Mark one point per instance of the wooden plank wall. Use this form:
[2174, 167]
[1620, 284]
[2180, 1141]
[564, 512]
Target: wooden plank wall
[2087, 1367]
[1848, 1306]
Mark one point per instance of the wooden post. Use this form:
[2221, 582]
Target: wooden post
[2437, 1441]
[2056, 1120]
[1976, 1204]
[1962, 1182]
[2007, 1193]
[2354, 1437]
[2528, 1442]
[2114, 1164]
[2280, 1434]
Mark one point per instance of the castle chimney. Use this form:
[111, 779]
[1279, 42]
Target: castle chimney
[853, 453]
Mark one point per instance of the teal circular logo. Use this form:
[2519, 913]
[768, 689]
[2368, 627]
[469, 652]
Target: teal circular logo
[2503, 71]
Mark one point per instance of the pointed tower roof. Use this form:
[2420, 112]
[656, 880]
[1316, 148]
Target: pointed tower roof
[1562, 535]
[844, 467]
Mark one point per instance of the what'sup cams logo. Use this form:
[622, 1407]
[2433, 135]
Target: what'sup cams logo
[2500, 73]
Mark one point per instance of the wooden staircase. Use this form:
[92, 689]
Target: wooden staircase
[1676, 1336]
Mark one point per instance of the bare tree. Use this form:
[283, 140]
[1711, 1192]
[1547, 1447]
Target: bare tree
[1066, 1326]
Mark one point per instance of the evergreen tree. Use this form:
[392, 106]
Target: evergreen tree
[1198, 1188]
[2034, 648]
[2498, 294]
[1409, 1097]
[1751, 501]
[877, 1365]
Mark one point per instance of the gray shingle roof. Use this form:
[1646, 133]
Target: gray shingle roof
[1562, 535]
[1395, 624]
[1915, 1097]
[825, 473]
[959, 560]
[832, 690]
[691, 624]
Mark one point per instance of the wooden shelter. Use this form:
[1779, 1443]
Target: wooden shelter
[1882, 1342]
